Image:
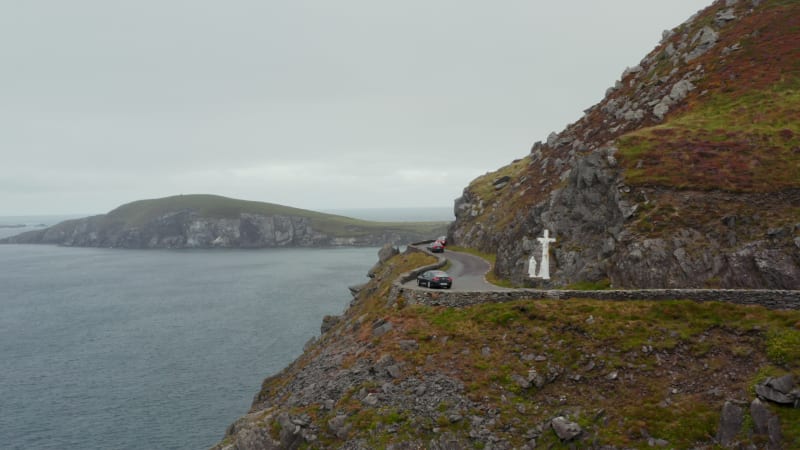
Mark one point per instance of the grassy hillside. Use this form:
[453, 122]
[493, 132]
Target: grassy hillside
[694, 151]
[625, 371]
[143, 211]
[747, 143]
[737, 131]
[741, 130]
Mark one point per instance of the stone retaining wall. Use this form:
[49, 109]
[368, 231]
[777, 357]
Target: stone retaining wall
[772, 299]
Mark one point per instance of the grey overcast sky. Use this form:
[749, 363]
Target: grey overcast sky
[312, 104]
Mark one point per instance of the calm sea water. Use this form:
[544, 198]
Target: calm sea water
[153, 349]
[11, 225]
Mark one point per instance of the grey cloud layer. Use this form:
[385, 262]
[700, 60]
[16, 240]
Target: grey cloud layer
[301, 102]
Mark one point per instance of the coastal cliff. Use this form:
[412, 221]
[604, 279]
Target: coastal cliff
[527, 374]
[204, 221]
[686, 175]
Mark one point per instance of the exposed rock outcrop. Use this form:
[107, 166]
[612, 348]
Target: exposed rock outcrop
[781, 390]
[386, 252]
[766, 425]
[613, 230]
[565, 430]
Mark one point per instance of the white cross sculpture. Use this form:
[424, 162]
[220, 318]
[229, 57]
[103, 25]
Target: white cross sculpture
[544, 267]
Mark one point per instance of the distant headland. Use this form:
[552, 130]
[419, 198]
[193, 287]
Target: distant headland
[208, 221]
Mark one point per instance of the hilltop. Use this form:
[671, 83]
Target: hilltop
[687, 173]
[201, 221]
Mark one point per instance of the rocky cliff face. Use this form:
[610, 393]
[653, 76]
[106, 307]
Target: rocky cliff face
[532, 374]
[187, 229]
[670, 181]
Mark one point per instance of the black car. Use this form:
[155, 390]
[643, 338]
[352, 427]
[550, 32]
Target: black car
[435, 278]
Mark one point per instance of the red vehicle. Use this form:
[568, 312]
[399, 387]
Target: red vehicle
[442, 240]
[435, 278]
[436, 247]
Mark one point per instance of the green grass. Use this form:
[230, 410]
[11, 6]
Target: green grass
[790, 425]
[512, 198]
[686, 344]
[747, 142]
[714, 334]
[484, 185]
[783, 346]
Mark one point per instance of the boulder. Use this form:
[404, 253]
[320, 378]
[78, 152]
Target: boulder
[766, 424]
[702, 41]
[761, 416]
[290, 434]
[725, 16]
[381, 327]
[521, 381]
[565, 429]
[329, 322]
[387, 252]
[339, 426]
[356, 288]
[680, 90]
[779, 390]
[774, 433]
[730, 424]
[371, 399]
[384, 254]
[662, 108]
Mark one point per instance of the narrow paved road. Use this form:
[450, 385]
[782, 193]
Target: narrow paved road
[468, 272]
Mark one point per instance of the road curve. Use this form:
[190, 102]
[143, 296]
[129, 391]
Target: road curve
[468, 272]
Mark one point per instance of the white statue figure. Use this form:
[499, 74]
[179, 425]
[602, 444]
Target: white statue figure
[544, 267]
[532, 267]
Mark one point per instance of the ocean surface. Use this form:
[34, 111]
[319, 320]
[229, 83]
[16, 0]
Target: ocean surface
[153, 349]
